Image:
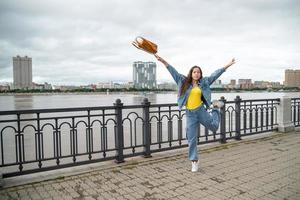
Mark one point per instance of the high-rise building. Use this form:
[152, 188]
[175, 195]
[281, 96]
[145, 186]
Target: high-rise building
[233, 82]
[245, 83]
[217, 84]
[292, 78]
[144, 75]
[22, 69]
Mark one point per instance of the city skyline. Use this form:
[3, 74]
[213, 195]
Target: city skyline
[89, 42]
[229, 81]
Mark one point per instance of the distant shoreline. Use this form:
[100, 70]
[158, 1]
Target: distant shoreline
[79, 93]
[127, 92]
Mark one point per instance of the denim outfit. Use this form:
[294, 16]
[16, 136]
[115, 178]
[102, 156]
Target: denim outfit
[200, 114]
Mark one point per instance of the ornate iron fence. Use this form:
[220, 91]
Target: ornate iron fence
[295, 106]
[46, 139]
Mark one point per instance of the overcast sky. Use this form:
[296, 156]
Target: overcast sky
[89, 41]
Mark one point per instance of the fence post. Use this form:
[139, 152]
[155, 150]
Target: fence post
[146, 127]
[223, 121]
[284, 114]
[120, 136]
[237, 118]
[180, 128]
[1, 178]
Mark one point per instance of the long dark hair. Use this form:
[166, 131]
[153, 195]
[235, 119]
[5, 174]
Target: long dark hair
[188, 80]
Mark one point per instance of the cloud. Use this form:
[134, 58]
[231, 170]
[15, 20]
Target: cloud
[84, 42]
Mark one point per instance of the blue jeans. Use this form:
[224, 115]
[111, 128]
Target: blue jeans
[193, 118]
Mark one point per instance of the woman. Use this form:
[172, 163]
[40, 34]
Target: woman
[193, 93]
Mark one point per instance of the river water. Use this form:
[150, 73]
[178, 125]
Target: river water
[41, 101]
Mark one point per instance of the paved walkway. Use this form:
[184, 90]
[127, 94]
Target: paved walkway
[254, 168]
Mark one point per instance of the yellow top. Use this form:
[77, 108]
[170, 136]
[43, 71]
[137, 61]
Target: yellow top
[194, 99]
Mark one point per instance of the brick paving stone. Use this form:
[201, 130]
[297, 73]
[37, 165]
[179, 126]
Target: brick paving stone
[262, 168]
[44, 195]
[35, 196]
[219, 196]
[89, 198]
[5, 197]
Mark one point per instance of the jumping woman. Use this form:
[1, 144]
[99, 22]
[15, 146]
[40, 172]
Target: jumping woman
[193, 93]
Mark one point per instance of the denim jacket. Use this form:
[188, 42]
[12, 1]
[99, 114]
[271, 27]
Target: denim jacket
[204, 83]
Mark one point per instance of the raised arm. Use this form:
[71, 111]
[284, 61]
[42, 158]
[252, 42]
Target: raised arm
[161, 60]
[176, 76]
[214, 76]
[230, 63]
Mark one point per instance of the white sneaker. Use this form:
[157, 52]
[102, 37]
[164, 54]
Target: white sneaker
[195, 166]
[217, 104]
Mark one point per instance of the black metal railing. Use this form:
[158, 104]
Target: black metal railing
[46, 139]
[295, 106]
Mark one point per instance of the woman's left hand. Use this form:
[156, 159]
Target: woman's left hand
[230, 63]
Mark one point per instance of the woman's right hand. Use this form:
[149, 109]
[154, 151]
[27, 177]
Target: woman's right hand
[230, 63]
[161, 60]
